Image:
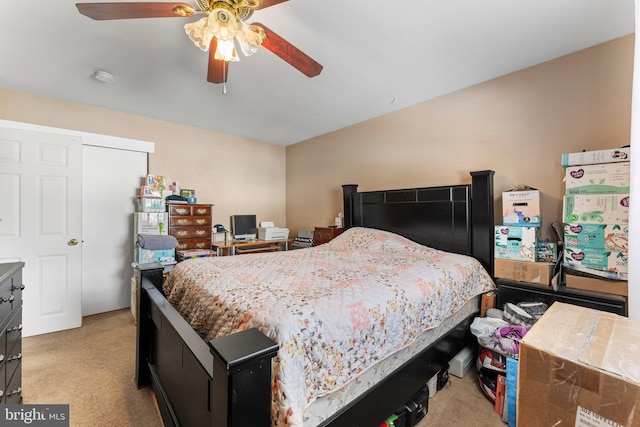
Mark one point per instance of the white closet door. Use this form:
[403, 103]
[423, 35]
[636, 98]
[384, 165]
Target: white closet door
[111, 180]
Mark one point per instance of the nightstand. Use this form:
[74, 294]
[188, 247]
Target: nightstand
[324, 234]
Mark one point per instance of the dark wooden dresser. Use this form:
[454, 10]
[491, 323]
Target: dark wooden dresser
[11, 287]
[324, 234]
[190, 224]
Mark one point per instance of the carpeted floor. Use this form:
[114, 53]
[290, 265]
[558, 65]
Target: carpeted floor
[92, 369]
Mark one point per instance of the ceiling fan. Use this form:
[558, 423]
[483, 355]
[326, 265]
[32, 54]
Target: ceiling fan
[223, 21]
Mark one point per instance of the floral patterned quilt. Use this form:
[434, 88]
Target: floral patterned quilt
[334, 309]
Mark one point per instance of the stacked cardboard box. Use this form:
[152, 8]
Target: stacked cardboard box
[596, 216]
[518, 250]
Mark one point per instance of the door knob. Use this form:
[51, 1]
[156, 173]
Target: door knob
[72, 242]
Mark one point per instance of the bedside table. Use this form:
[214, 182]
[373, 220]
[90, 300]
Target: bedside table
[324, 234]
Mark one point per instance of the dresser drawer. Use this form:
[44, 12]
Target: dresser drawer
[188, 221]
[194, 244]
[13, 333]
[190, 210]
[13, 392]
[190, 233]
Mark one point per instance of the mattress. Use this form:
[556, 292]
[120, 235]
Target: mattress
[336, 310]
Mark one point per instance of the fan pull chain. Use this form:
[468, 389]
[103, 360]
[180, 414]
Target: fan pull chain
[224, 88]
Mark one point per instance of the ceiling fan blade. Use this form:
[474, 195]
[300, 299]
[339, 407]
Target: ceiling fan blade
[218, 70]
[107, 11]
[294, 56]
[266, 3]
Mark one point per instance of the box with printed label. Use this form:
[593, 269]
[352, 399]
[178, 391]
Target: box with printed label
[596, 209]
[606, 178]
[154, 223]
[597, 236]
[144, 256]
[147, 204]
[598, 259]
[598, 156]
[521, 208]
[516, 243]
[579, 367]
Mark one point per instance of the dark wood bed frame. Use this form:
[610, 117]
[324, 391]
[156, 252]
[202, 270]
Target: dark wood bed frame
[227, 381]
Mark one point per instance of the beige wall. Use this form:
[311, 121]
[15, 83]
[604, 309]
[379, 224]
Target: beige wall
[518, 125]
[237, 175]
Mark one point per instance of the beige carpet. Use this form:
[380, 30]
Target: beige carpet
[92, 369]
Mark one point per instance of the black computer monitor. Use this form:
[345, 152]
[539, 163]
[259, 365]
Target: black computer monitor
[244, 227]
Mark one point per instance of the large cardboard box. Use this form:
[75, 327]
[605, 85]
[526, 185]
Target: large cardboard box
[539, 273]
[598, 156]
[607, 178]
[579, 367]
[597, 284]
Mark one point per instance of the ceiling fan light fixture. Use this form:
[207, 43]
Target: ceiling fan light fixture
[250, 38]
[222, 24]
[226, 51]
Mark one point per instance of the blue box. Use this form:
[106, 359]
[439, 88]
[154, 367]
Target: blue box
[516, 243]
[512, 390]
[144, 256]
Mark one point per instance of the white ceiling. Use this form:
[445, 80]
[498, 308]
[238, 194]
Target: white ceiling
[378, 56]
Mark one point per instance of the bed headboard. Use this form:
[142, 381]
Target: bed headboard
[455, 218]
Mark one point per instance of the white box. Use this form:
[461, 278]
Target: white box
[606, 178]
[596, 208]
[597, 259]
[273, 233]
[461, 362]
[516, 242]
[613, 237]
[598, 156]
[521, 208]
[152, 223]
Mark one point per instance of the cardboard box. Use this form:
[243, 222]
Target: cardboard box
[598, 156]
[148, 255]
[521, 208]
[597, 236]
[579, 367]
[546, 251]
[539, 273]
[596, 208]
[596, 284]
[153, 223]
[194, 253]
[598, 259]
[488, 301]
[607, 178]
[151, 205]
[516, 242]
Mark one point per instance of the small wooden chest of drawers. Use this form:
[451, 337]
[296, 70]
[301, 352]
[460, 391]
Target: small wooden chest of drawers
[190, 224]
[324, 234]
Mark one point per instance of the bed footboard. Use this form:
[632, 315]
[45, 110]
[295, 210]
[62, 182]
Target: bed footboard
[225, 382]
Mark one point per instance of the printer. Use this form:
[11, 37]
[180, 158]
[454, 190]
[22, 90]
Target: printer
[268, 231]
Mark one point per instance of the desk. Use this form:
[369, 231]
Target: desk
[234, 247]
